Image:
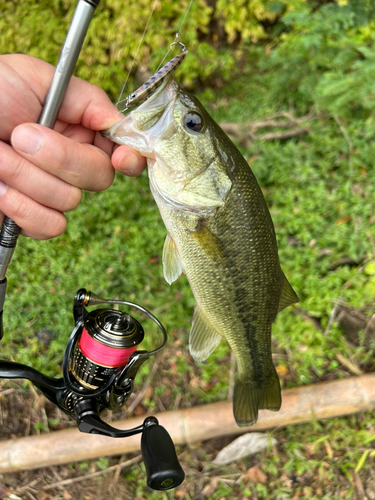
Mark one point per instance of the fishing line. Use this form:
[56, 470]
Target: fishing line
[184, 19]
[137, 51]
[176, 41]
[176, 36]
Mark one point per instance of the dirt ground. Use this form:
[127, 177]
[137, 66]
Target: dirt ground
[24, 411]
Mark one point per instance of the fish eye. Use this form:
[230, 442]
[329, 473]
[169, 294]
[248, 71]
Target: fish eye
[194, 122]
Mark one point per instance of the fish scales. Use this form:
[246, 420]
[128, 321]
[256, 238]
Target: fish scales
[240, 293]
[220, 234]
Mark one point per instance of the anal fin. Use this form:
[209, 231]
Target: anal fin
[203, 337]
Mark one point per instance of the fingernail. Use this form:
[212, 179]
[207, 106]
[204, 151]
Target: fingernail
[128, 162]
[27, 139]
[3, 188]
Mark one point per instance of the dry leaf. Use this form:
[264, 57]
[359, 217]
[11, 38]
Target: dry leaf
[139, 411]
[255, 475]
[342, 220]
[282, 371]
[245, 445]
[66, 495]
[3, 491]
[211, 487]
[180, 493]
[43, 495]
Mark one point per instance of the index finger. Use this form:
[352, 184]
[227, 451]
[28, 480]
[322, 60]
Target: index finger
[83, 103]
[88, 104]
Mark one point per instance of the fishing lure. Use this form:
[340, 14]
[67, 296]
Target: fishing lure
[149, 87]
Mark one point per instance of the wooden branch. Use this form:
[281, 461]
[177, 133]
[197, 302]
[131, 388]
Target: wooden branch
[283, 135]
[238, 132]
[302, 404]
[245, 133]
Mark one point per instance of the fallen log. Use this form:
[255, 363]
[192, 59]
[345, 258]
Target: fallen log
[302, 404]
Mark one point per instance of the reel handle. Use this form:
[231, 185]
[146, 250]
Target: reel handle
[163, 469]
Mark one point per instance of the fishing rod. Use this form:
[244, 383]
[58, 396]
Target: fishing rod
[101, 359]
[65, 66]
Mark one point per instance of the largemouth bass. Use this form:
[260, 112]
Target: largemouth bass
[220, 234]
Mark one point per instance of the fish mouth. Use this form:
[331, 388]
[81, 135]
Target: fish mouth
[147, 122]
[125, 134]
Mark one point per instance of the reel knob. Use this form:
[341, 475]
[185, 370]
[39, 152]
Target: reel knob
[159, 455]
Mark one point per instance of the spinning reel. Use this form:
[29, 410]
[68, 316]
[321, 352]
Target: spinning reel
[100, 364]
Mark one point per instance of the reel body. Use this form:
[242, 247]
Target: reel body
[100, 364]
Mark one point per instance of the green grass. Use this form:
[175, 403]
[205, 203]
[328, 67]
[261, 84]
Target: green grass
[316, 460]
[321, 201]
[320, 190]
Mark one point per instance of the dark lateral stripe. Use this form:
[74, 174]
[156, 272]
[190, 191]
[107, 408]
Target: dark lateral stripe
[248, 317]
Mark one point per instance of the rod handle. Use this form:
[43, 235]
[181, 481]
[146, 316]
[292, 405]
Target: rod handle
[67, 61]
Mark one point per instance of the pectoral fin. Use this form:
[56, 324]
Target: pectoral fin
[288, 295]
[203, 337]
[210, 243]
[172, 265]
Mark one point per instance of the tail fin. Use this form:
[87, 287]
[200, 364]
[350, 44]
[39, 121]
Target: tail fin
[249, 397]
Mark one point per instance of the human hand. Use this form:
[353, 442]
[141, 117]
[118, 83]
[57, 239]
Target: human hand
[42, 175]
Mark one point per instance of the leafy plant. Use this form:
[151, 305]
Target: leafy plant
[116, 32]
[324, 58]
